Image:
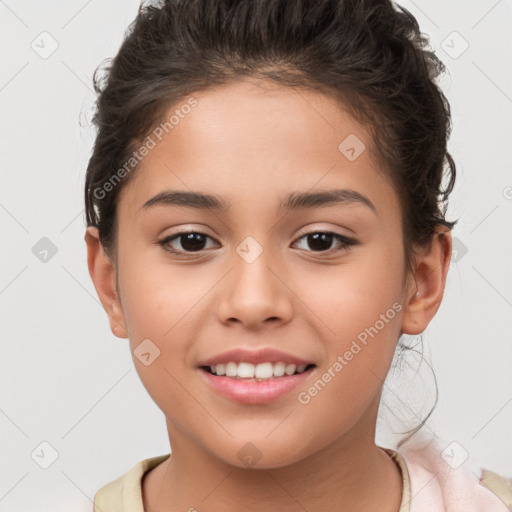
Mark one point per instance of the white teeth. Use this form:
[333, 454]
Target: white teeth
[263, 370]
[279, 369]
[290, 369]
[245, 370]
[231, 369]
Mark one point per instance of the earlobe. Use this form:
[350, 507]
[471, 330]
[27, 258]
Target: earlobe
[426, 287]
[103, 275]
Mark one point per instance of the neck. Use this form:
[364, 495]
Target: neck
[352, 473]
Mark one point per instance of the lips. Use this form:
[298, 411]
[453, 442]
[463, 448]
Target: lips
[255, 391]
[241, 355]
[260, 389]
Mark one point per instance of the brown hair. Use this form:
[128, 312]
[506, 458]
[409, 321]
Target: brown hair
[369, 54]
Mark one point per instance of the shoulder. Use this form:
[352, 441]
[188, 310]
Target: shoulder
[124, 494]
[442, 474]
[500, 485]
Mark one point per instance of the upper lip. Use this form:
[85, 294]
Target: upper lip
[263, 355]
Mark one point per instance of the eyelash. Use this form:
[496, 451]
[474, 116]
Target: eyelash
[345, 242]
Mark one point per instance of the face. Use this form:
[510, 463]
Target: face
[320, 280]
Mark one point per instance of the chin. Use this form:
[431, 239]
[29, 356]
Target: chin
[260, 453]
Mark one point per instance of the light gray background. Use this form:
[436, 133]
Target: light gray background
[67, 381]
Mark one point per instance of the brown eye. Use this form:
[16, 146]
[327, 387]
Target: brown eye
[321, 241]
[190, 241]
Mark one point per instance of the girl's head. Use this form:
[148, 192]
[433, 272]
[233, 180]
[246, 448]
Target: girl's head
[301, 146]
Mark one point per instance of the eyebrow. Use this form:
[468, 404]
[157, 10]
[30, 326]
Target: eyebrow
[293, 201]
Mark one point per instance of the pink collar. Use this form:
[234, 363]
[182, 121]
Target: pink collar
[441, 478]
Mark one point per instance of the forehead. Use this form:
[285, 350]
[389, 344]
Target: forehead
[257, 139]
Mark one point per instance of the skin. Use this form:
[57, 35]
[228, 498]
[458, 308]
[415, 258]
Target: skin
[248, 140]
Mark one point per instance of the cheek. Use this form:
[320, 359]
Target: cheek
[353, 295]
[155, 310]
[158, 297]
[358, 308]
[162, 310]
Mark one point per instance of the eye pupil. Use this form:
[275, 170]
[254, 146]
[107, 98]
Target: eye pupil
[317, 241]
[192, 241]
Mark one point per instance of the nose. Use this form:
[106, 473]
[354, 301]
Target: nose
[255, 293]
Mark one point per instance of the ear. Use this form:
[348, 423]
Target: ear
[103, 275]
[426, 288]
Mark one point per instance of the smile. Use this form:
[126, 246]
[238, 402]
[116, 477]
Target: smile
[241, 383]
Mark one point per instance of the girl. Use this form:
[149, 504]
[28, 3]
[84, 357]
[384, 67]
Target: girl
[265, 221]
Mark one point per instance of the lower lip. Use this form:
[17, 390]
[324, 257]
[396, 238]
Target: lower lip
[254, 392]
